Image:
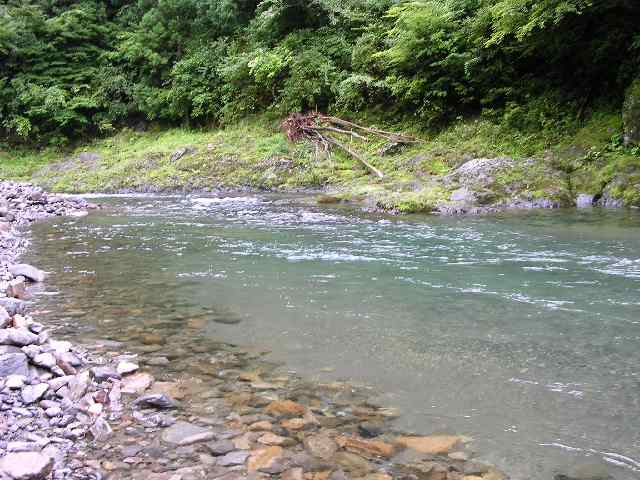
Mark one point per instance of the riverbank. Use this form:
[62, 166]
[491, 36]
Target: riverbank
[108, 410]
[473, 166]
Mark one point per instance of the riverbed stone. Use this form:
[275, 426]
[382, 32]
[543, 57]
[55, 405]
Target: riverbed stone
[266, 460]
[101, 374]
[369, 448]
[126, 367]
[156, 400]
[27, 271]
[283, 408]
[184, 433]
[237, 457]
[19, 337]
[5, 318]
[321, 446]
[433, 444]
[136, 383]
[221, 447]
[26, 465]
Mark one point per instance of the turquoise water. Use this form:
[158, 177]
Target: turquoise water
[519, 330]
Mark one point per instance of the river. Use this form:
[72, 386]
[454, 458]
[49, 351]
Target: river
[521, 331]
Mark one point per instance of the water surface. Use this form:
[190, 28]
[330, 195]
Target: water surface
[521, 331]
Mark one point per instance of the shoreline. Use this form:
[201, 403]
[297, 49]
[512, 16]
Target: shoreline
[115, 411]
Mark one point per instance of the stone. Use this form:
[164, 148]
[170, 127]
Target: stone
[125, 367]
[261, 426]
[78, 385]
[293, 474]
[221, 447]
[101, 374]
[371, 429]
[157, 400]
[19, 337]
[26, 465]
[283, 408]
[46, 360]
[33, 393]
[136, 383]
[17, 289]
[27, 271]
[321, 446]
[352, 463]
[293, 424]
[15, 381]
[5, 318]
[369, 448]
[584, 200]
[233, 458]
[53, 412]
[434, 444]
[273, 439]
[266, 460]
[13, 364]
[101, 430]
[184, 433]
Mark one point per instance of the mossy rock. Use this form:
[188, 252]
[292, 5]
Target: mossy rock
[631, 114]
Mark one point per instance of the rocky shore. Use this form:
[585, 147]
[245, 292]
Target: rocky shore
[188, 409]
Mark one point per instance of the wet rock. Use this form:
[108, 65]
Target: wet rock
[221, 447]
[354, 464]
[430, 444]
[371, 429]
[233, 458]
[26, 466]
[293, 474]
[369, 448]
[589, 471]
[183, 433]
[154, 420]
[283, 408]
[101, 374]
[13, 364]
[136, 383]
[125, 367]
[273, 439]
[27, 271]
[321, 446]
[33, 393]
[20, 337]
[156, 400]
[584, 200]
[267, 460]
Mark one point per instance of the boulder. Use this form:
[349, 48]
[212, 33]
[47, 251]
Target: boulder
[20, 337]
[33, 393]
[631, 114]
[27, 271]
[26, 465]
[584, 200]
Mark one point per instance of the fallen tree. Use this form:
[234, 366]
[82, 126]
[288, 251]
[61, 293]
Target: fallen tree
[326, 132]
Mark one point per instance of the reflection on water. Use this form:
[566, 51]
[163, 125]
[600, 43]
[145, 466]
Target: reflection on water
[519, 330]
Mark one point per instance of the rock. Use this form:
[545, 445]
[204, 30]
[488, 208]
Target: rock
[293, 474]
[321, 446]
[463, 195]
[588, 471]
[101, 374]
[157, 400]
[183, 433]
[13, 364]
[431, 444]
[266, 460]
[53, 412]
[5, 318]
[584, 200]
[369, 448]
[221, 447]
[20, 337]
[631, 114]
[27, 271]
[181, 152]
[33, 393]
[136, 383]
[45, 360]
[353, 463]
[78, 385]
[263, 426]
[12, 305]
[26, 465]
[293, 424]
[273, 439]
[17, 289]
[283, 408]
[15, 381]
[233, 458]
[125, 367]
[101, 430]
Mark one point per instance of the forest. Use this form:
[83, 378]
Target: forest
[78, 69]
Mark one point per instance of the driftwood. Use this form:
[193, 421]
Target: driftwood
[326, 132]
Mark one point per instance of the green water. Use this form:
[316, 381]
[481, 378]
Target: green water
[521, 331]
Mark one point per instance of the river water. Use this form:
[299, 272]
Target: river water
[521, 331]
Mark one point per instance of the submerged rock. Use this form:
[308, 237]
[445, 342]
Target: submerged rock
[431, 444]
[157, 400]
[27, 271]
[184, 433]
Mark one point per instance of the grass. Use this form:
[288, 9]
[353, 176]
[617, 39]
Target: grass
[255, 154]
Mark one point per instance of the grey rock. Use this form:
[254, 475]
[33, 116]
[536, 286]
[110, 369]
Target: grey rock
[27, 271]
[233, 458]
[13, 364]
[33, 393]
[100, 374]
[184, 433]
[19, 337]
[221, 447]
[13, 305]
[463, 195]
[101, 430]
[157, 400]
[26, 465]
[46, 360]
[5, 318]
[584, 200]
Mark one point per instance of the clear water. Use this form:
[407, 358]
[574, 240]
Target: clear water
[521, 331]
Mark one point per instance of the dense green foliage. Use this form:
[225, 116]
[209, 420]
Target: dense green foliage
[73, 68]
